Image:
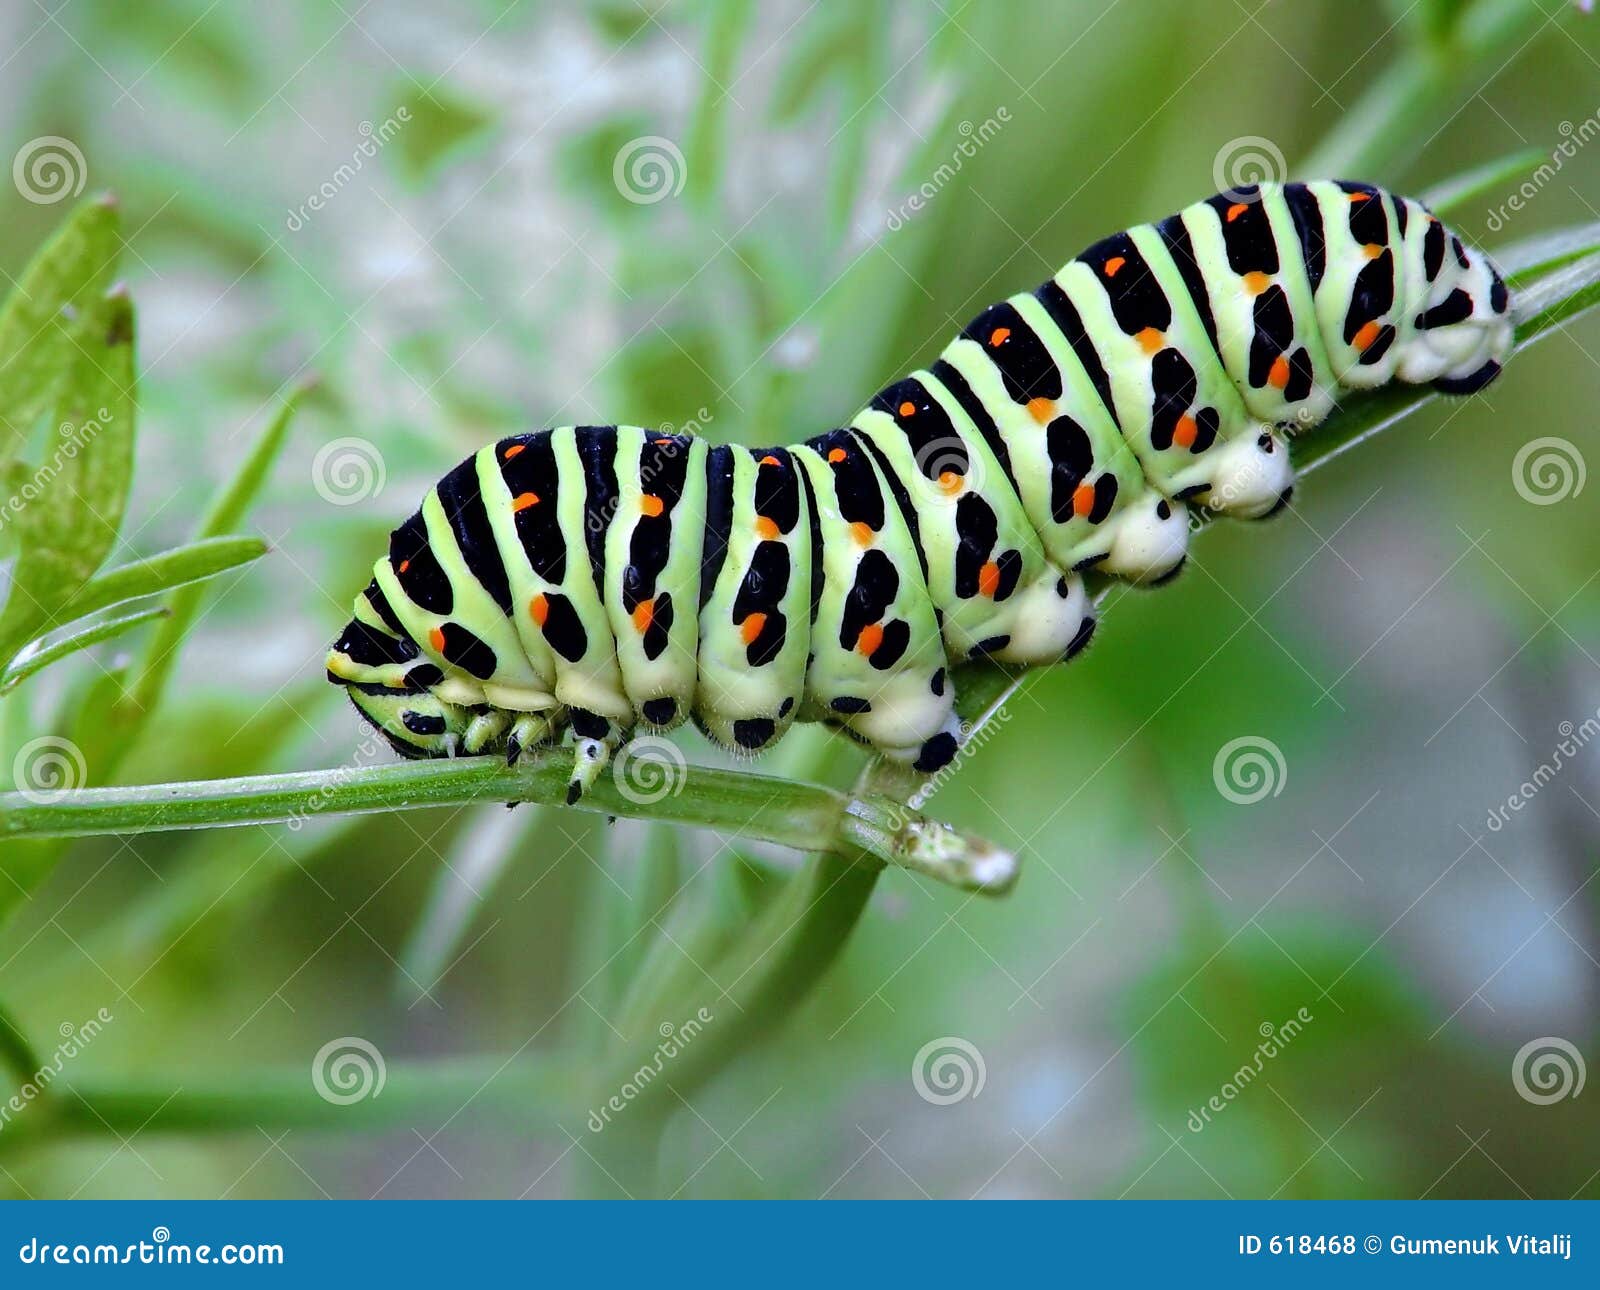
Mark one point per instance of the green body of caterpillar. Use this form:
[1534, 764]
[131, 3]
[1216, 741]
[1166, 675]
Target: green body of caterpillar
[604, 577]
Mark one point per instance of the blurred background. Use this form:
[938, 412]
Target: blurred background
[470, 219]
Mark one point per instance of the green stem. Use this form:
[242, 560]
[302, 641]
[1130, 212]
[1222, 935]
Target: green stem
[529, 1094]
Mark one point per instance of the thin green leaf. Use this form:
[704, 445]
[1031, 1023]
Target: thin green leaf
[148, 577]
[68, 512]
[39, 655]
[1455, 193]
[226, 513]
[72, 270]
[1538, 254]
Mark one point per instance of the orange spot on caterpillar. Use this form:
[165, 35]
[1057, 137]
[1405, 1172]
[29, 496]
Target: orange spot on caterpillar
[404, 565]
[998, 337]
[862, 533]
[1367, 334]
[1236, 210]
[436, 639]
[1041, 410]
[1372, 250]
[661, 443]
[1183, 434]
[766, 528]
[539, 610]
[643, 615]
[522, 501]
[514, 449]
[751, 628]
[908, 409]
[950, 482]
[1150, 340]
[650, 504]
[836, 455]
[1082, 500]
[1356, 198]
[1114, 265]
[1278, 374]
[770, 460]
[1255, 282]
[871, 637]
[989, 580]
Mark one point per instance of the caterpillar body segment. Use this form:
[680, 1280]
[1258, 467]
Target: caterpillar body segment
[605, 579]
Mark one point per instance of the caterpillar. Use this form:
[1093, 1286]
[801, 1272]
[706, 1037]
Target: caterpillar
[606, 578]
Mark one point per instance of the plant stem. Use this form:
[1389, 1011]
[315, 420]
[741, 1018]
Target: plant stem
[528, 1093]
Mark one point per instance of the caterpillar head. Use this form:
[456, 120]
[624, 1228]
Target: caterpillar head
[1463, 328]
[388, 687]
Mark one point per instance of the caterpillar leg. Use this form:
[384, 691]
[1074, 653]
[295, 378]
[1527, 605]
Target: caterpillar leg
[595, 738]
[1150, 540]
[1251, 477]
[1053, 621]
[528, 731]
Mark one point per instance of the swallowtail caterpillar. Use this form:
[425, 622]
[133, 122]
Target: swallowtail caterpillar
[605, 579]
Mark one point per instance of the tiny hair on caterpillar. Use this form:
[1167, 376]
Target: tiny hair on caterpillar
[608, 579]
